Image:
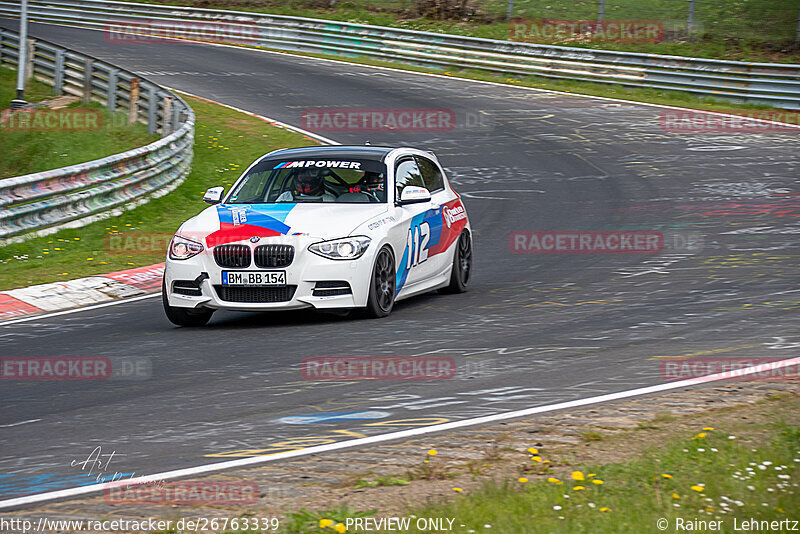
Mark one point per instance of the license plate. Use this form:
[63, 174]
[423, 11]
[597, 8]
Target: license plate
[254, 278]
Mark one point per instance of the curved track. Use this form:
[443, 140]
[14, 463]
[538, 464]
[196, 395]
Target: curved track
[532, 330]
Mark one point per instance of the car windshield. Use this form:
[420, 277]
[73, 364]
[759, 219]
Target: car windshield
[333, 180]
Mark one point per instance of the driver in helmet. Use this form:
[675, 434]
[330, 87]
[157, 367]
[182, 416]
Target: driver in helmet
[307, 183]
[373, 184]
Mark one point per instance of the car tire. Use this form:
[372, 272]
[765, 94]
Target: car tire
[382, 285]
[462, 265]
[184, 316]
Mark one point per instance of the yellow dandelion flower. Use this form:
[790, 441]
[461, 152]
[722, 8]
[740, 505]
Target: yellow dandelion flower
[701, 435]
[605, 509]
[578, 488]
[522, 479]
[433, 452]
[424, 461]
[536, 458]
[676, 496]
[325, 523]
[458, 490]
[533, 450]
[598, 482]
[697, 488]
[665, 475]
[340, 528]
[590, 475]
[89, 259]
[709, 428]
[577, 475]
[554, 481]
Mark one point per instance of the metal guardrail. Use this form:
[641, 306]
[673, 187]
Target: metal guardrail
[765, 83]
[78, 193]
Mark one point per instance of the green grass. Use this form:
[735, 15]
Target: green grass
[635, 494]
[23, 152]
[746, 30]
[226, 142]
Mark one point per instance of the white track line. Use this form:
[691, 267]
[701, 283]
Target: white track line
[85, 308]
[20, 423]
[275, 122]
[403, 434]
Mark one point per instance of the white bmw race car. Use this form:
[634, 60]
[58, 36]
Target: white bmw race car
[332, 227]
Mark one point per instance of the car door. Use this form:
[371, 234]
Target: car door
[433, 179]
[421, 225]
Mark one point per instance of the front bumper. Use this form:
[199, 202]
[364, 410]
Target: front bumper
[302, 277]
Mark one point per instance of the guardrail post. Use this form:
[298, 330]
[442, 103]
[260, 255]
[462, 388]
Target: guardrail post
[510, 12]
[601, 10]
[88, 74]
[111, 97]
[152, 110]
[58, 75]
[133, 110]
[690, 22]
[166, 118]
[176, 116]
[29, 59]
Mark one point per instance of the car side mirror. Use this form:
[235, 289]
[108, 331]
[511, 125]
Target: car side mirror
[413, 194]
[214, 195]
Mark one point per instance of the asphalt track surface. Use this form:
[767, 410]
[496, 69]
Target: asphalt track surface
[534, 329]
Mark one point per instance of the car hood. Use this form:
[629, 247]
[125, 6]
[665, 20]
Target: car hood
[227, 223]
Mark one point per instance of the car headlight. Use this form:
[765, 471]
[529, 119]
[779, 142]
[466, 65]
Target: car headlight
[181, 248]
[346, 248]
